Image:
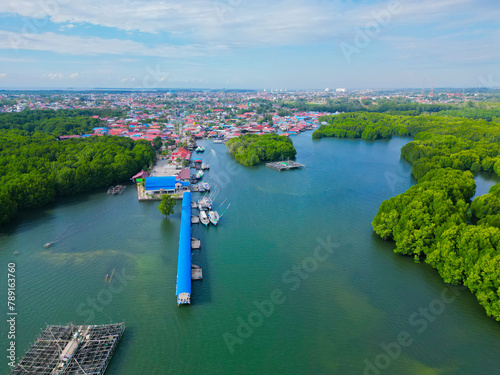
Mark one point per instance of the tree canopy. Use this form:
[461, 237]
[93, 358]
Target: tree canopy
[167, 204]
[434, 221]
[251, 149]
[61, 122]
[35, 168]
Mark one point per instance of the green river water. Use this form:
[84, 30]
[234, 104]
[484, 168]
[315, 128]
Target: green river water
[342, 314]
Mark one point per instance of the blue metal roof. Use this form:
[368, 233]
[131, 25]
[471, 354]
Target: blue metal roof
[158, 183]
[184, 260]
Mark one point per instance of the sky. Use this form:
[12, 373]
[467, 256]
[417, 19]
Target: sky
[249, 44]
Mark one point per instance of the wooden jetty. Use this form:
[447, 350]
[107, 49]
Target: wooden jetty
[284, 165]
[195, 243]
[197, 189]
[72, 349]
[196, 272]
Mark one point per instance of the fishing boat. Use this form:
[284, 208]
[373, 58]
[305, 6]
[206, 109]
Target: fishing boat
[214, 217]
[204, 204]
[118, 189]
[48, 244]
[200, 174]
[200, 149]
[204, 218]
[206, 186]
[218, 141]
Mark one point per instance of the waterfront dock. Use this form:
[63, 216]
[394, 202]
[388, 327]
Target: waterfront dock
[72, 349]
[195, 243]
[284, 165]
[196, 272]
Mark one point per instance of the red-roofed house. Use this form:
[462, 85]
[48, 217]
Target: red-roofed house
[181, 153]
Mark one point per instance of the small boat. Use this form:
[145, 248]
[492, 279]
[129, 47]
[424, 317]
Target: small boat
[206, 186]
[218, 141]
[204, 218]
[204, 204]
[200, 174]
[48, 244]
[200, 149]
[214, 217]
[118, 189]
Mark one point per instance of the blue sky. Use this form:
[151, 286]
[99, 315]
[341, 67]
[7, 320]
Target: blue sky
[292, 44]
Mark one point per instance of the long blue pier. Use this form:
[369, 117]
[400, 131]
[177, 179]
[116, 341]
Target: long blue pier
[183, 289]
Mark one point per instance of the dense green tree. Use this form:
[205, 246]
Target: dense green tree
[433, 221]
[36, 168]
[253, 149]
[157, 143]
[167, 204]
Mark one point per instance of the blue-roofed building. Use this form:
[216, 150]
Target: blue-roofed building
[165, 185]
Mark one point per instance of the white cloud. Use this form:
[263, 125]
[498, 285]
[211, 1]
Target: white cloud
[201, 20]
[74, 75]
[3, 75]
[77, 45]
[237, 21]
[209, 27]
[55, 75]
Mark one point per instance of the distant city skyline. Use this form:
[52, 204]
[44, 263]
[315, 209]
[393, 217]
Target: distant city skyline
[236, 44]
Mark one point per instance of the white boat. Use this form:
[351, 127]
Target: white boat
[214, 217]
[218, 141]
[204, 204]
[199, 174]
[204, 218]
[206, 186]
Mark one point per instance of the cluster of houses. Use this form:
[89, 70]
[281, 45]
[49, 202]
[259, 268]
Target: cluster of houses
[202, 127]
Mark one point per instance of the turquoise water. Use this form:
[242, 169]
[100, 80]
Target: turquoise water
[333, 317]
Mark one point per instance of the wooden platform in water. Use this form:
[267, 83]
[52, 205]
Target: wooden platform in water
[195, 243]
[196, 272]
[284, 165]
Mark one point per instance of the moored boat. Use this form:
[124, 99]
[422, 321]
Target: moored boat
[214, 217]
[204, 218]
